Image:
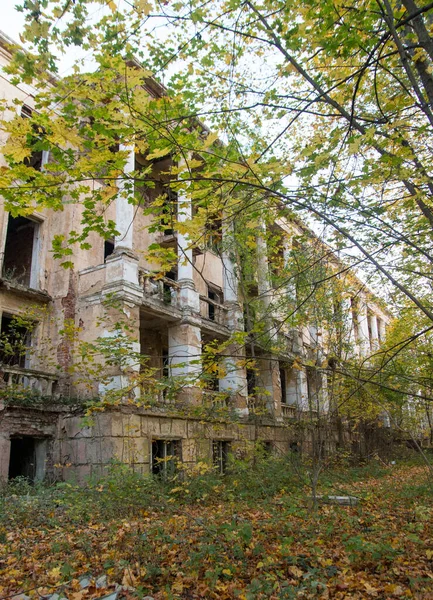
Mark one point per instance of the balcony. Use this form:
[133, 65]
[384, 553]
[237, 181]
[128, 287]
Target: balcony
[215, 399]
[163, 289]
[36, 382]
[288, 411]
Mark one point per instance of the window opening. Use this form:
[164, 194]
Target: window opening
[108, 248]
[220, 453]
[214, 235]
[251, 382]
[169, 291]
[169, 209]
[165, 453]
[19, 251]
[15, 342]
[283, 381]
[267, 449]
[216, 297]
[35, 160]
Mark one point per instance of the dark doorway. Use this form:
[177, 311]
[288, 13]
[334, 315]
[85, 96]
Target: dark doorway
[23, 458]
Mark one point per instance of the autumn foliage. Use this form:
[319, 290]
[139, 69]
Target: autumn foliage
[249, 535]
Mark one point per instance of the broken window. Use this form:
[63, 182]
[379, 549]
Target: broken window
[220, 454]
[15, 341]
[216, 299]
[20, 256]
[27, 458]
[165, 454]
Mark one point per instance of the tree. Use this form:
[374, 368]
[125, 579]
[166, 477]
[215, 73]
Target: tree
[336, 97]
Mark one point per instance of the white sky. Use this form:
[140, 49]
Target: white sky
[11, 21]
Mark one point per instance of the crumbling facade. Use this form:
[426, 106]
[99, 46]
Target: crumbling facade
[170, 318]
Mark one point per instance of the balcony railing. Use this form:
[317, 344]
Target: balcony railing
[288, 411]
[161, 288]
[39, 382]
[215, 399]
[212, 310]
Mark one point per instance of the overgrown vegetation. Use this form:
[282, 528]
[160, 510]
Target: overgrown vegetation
[250, 535]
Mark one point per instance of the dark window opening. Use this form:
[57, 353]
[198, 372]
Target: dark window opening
[169, 290]
[35, 160]
[108, 248]
[220, 454]
[251, 382]
[214, 235]
[169, 209]
[18, 250]
[165, 453]
[283, 382]
[23, 457]
[165, 363]
[216, 297]
[267, 449]
[15, 341]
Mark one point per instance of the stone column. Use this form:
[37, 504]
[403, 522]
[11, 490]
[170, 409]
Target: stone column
[263, 281]
[188, 296]
[184, 359]
[269, 381]
[374, 332]
[363, 333]
[125, 209]
[235, 378]
[291, 285]
[302, 390]
[122, 265]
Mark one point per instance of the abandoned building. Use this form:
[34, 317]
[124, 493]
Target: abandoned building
[170, 318]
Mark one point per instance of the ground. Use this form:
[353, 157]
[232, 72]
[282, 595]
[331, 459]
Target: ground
[250, 535]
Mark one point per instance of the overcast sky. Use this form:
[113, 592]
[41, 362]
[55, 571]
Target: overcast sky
[11, 21]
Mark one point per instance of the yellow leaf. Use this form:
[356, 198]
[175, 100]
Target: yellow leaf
[158, 153]
[143, 6]
[54, 574]
[295, 571]
[177, 587]
[227, 572]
